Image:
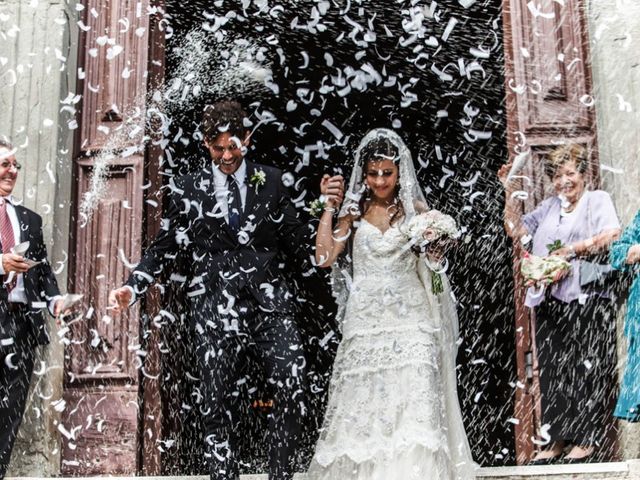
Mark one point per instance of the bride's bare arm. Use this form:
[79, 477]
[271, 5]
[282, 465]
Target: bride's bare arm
[330, 241]
[420, 207]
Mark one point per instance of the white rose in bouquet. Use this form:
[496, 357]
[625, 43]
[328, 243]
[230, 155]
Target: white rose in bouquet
[429, 227]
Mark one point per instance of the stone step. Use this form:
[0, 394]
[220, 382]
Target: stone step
[629, 470]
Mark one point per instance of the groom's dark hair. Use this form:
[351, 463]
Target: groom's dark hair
[221, 117]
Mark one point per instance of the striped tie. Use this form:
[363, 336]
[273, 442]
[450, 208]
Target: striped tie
[7, 236]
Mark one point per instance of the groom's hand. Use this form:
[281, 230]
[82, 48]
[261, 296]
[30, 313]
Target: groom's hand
[333, 189]
[119, 299]
[503, 174]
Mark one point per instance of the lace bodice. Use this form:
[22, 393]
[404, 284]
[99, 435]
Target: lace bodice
[378, 254]
[387, 293]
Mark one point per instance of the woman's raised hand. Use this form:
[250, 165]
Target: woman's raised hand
[333, 189]
[503, 174]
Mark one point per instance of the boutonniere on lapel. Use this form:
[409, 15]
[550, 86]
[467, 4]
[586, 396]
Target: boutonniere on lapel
[258, 179]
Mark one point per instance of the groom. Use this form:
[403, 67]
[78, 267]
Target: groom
[230, 223]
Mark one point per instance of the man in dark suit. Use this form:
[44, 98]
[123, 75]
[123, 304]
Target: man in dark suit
[27, 288]
[232, 221]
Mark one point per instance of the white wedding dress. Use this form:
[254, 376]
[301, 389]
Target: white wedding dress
[393, 411]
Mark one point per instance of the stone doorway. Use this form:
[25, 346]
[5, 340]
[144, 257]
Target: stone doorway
[453, 117]
[301, 142]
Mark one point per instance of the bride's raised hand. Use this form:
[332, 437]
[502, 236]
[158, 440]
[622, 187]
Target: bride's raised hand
[333, 189]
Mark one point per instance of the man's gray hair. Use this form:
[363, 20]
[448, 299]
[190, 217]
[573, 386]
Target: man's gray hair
[5, 144]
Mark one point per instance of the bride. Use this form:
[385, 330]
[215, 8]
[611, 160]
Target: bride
[393, 411]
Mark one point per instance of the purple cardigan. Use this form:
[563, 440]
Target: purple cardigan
[594, 214]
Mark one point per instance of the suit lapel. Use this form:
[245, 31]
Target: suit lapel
[23, 222]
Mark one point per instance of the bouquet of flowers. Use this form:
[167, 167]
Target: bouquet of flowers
[429, 227]
[542, 271]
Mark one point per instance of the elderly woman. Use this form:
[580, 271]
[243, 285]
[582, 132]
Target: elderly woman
[625, 254]
[575, 327]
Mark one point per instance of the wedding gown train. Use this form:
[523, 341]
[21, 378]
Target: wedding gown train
[393, 411]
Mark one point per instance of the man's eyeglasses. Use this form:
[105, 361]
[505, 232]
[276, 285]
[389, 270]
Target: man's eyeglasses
[6, 165]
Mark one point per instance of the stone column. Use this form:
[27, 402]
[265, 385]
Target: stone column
[615, 49]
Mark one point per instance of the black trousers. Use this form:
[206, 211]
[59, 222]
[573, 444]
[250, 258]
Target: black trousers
[223, 340]
[576, 357]
[17, 351]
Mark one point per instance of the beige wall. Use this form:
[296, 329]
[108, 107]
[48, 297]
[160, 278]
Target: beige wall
[34, 78]
[615, 50]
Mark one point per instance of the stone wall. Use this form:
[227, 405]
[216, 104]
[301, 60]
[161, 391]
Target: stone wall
[38, 52]
[615, 51]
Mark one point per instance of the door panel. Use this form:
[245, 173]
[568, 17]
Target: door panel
[101, 421]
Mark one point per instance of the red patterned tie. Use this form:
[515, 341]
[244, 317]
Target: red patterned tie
[6, 236]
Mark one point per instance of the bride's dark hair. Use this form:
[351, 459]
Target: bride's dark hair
[380, 149]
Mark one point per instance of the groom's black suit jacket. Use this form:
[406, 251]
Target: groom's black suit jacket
[40, 284]
[220, 263]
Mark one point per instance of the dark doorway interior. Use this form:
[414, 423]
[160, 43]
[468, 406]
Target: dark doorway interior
[433, 74]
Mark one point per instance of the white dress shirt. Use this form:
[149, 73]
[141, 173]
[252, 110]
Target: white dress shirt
[222, 191]
[17, 294]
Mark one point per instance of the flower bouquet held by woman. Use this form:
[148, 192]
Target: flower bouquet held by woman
[538, 272]
[429, 228]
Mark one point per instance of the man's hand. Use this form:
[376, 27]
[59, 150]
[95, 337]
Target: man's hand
[58, 313]
[333, 189]
[119, 299]
[57, 307]
[14, 263]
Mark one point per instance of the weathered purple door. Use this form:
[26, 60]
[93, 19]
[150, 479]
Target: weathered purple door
[102, 422]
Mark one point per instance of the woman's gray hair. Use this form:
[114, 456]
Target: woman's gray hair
[566, 153]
